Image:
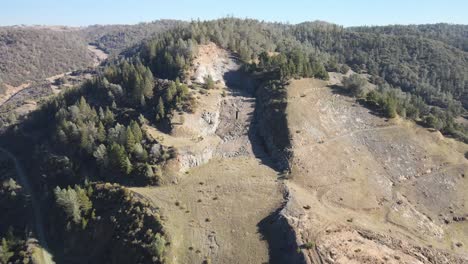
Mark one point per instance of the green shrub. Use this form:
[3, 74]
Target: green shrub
[308, 245]
[158, 246]
[355, 84]
[209, 82]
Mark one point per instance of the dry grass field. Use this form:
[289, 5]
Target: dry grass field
[353, 170]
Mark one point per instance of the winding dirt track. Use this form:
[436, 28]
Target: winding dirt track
[45, 256]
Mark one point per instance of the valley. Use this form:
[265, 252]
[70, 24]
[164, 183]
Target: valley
[233, 141]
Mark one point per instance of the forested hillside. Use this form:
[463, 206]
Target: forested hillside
[115, 38]
[431, 74]
[454, 35]
[35, 53]
[30, 54]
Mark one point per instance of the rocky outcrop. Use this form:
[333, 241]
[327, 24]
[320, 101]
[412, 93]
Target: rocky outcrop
[189, 159]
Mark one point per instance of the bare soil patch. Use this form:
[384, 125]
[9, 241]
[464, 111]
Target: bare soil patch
[97, 54]
[212, 61]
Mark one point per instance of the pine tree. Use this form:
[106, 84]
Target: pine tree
[85, 203]
[170, 92]
[126, 166]
[109, 117]
[101, 132]
[86, 141]
[68, 200]
[101, 113]
[148, 83]
[160, 113]
[119, 160]
[136, 131]
[149, 174]
[139, 152]
[130, 142]
[83, 106]
[101, 155]
[5, 253]
[137, 87]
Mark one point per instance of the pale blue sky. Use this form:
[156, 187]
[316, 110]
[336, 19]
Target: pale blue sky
[343, 12]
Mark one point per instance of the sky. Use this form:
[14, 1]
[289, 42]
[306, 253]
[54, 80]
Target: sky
[343, 12]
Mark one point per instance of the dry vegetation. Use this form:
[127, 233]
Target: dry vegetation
[30, 54]
[213, 211]
[353, 170]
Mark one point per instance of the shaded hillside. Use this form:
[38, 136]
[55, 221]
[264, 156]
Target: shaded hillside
[93, 134]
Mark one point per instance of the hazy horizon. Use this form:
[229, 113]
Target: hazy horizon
[345, 13]
[181, 20]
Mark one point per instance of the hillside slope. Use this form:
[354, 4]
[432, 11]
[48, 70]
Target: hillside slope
[364, 189]
[30, 53]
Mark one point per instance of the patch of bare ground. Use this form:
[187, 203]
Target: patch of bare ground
[221, 192]
[97, 54]
[212, 61]
[353, 170]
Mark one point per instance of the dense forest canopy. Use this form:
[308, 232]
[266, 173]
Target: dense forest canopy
[454, 35]
[115, 38]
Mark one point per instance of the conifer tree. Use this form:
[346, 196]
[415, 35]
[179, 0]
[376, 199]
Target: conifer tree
[130, 142]
[160, 113]
[136, 131]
